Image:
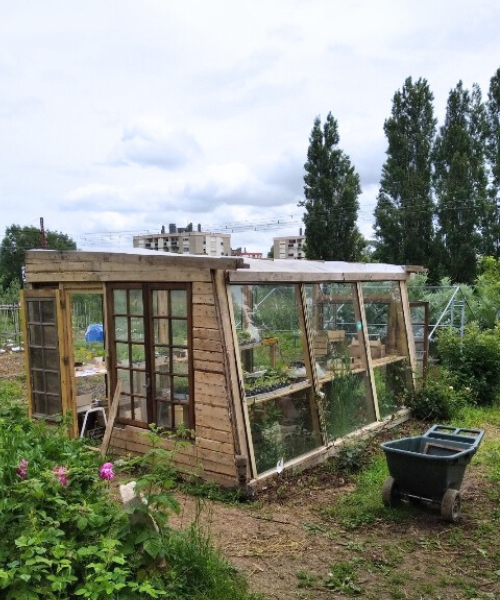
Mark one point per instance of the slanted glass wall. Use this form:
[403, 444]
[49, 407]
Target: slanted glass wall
[276, 374]
[388, 343]
[305, 364]
[339, 357]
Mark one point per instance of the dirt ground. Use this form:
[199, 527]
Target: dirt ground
[287, 546]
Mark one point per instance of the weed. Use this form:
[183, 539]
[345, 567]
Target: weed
[343, 577]
[306, 579]
[351, 456]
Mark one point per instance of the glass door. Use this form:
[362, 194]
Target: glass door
[150, 354]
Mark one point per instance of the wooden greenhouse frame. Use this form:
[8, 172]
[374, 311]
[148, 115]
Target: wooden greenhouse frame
[264, 364]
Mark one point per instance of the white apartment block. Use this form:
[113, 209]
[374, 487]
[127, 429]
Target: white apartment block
[186, 241]
[289, 247]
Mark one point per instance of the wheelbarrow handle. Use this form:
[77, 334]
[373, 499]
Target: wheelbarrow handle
[458, 433]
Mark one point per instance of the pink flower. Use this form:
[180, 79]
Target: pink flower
[22, 469]
[62, 474]
[106, 471]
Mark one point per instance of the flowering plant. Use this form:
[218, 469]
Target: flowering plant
[22, 469]
[62, 474]
[106, 471]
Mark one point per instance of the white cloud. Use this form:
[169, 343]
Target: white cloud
[150, 143]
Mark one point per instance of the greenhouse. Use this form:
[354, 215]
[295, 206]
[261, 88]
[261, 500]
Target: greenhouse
[258, 365]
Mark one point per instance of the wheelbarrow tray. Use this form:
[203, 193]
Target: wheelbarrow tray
[426, 466]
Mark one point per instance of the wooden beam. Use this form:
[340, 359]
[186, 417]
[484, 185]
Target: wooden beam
[113, 411]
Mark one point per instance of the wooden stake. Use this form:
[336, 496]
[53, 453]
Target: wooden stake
[113, 411]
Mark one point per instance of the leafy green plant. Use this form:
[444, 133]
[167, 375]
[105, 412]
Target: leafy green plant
[472, 361]
[352, 456]
[437, 400]
[66, 537]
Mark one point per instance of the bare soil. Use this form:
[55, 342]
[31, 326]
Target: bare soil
[287, 547]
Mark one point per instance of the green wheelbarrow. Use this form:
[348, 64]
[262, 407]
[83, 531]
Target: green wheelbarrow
[430, 467]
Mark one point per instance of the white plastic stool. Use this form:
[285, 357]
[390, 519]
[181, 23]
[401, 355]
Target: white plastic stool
[87, 413]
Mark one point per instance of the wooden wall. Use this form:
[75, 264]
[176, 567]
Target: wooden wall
[212, 455]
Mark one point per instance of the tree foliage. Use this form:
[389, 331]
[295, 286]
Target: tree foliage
[331, 192]
[460, 180]
[404, 212]
[17, 241]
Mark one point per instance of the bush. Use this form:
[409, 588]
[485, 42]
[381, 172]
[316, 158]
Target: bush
[436, 401]
[473, 361]
[65, 537]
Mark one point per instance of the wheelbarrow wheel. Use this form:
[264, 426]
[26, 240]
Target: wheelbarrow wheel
[450, 505]
[390, 494]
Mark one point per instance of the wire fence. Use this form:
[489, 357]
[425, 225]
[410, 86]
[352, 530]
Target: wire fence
[10, 325]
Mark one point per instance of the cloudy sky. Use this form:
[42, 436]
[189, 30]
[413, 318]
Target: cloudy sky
[124, 115]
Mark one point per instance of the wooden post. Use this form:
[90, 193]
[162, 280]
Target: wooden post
[113, 411]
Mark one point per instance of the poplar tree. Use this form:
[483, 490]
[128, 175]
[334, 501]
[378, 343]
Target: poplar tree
[404, 213]
[331, 190]
[491, 229]
[461, 183]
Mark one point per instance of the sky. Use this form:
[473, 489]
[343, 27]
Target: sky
[120, 116]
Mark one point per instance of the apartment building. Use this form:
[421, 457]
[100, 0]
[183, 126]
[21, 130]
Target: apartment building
[183, 240]
[289, 246]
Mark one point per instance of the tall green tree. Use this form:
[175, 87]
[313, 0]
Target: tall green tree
[404, 214]
[461, 184]
[331, 192]
[13, 250]
[491, 228]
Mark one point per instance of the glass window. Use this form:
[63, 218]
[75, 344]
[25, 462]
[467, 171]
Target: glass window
[384, 316]
[271, 340]
[392, 382]
[282, 429]
[337, 340]
[43, 355]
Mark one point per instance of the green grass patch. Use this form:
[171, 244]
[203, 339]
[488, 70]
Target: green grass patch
[364, 505]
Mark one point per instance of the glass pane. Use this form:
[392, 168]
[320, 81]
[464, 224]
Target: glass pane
[347, 405]
[180, 362]
[125, 408]
[53, 383]
[122, 355]
[37, 381]
[336, 333]
[50, 336]
[179, 303]
[160, 303]
[181, 415]
[39, 405]
[162, 386]
[161, 331]
[52, 360]
[282, 429]
[270, 336]
[181, 389]
[36, 358]
[53, 405]
[36, 335]
[139, 382]
[33, 311]
[164, 414]
[48, 311]
[120, 302]
[179, 332]
[392, 381]
[136, 305]
[124, 379]
[162, 354]
[138, 355]
[121, 328]
[384, 315]
[140, 409]
[137, 330]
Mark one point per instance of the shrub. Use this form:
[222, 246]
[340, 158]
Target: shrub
[437, 400]
[65, 537]
[473, 361]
